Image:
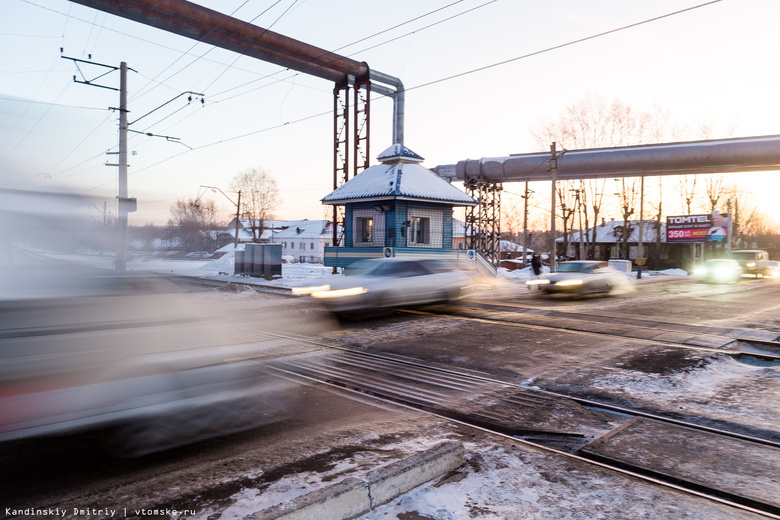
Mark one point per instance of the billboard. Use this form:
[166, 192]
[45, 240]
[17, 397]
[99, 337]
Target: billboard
[711, 228]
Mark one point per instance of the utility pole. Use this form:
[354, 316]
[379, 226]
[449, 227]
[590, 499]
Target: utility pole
[525, 225]
[730, 225]
[640, 249]
[554, 178]
[125, 205]
[238, 214]
[121, 254]
[580, 196]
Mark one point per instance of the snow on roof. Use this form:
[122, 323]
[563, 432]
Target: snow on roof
[398, 180]
[399, 152]
[304, 229]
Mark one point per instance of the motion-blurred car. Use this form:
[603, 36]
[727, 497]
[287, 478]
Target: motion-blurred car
[718, 270]
[390, 282]
[754, 262]
[132, 357]
[581, 278]
[151, 367]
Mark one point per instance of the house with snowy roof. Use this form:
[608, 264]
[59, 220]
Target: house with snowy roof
[396, 208]
[304, 241]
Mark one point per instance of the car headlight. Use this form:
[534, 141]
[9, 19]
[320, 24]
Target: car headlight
[537, 281]
[751, 265]
[339, 293]
[700, 271]
[300, 291]
[573, 281]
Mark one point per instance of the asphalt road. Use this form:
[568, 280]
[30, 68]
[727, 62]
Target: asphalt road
[484, 335]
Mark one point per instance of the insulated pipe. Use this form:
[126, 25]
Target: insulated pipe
[747, 154]
[205, 25]
[398, 101]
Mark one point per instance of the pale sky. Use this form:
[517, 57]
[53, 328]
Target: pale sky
[714, 64]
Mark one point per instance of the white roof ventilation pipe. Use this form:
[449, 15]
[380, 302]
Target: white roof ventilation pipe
[398, 100]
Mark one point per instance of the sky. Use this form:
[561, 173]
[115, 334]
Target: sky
[480, 76]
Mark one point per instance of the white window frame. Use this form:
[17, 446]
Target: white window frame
[377, 231]
[435, 229]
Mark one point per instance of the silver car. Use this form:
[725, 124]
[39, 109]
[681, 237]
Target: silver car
[391, 282]
[718, 270]
[582, 277]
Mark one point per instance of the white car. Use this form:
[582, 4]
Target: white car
[582, 277]
[391, 282]
[718, 270]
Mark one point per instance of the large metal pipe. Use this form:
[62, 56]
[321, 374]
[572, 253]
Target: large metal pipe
[747, 154]
[212, 27]
[398, 96]
[206, 25]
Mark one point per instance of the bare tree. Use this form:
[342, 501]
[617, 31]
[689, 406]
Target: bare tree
[194, 221]
[629, 191]
[596, 123]
[715, 189]
[567, 200]
[259, 198]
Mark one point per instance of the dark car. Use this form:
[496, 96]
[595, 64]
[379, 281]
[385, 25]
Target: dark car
[581, 278]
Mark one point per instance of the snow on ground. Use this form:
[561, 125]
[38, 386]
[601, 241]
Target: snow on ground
[502, 480]
[723, 388]
[296, 274]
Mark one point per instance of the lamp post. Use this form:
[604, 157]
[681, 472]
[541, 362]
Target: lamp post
[236, 204]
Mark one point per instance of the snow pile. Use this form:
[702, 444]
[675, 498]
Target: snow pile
[710, 390]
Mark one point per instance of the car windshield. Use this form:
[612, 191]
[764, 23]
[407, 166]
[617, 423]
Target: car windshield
[576, 267]
[745, 255]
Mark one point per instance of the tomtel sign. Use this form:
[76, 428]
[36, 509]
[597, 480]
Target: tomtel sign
[697, 228]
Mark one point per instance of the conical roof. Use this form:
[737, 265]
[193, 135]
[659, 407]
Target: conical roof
[400, 176]
[399, 152]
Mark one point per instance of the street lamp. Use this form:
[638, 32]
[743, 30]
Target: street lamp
[236, 204]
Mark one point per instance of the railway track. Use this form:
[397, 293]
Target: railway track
[733, 342]
[720, 465]
[724, 466]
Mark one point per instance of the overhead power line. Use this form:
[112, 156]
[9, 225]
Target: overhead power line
[461, 74]
[563, 45]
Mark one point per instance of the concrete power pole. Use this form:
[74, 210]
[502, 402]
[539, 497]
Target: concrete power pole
[125, 204]
[525, 226]
[121, 252]
[554, 175]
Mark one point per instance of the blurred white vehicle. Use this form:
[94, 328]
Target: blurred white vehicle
[718, 270]
[155, 368]
[131, 356]
[391, 282]
[581, 278]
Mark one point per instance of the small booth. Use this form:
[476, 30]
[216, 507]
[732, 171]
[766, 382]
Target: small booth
[395, 208]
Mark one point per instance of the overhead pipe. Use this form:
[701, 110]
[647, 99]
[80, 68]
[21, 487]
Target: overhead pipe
[746, 154]
[206, 25]
[398, 96]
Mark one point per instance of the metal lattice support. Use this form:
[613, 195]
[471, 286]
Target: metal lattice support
[340, 149]
[361, 93]
[362, 125]
[484, 220]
